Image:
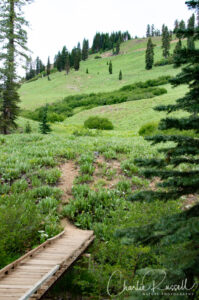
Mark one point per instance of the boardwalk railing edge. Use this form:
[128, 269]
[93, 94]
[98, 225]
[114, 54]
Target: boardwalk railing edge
[63, 267]
[39, 284]
[15, 263]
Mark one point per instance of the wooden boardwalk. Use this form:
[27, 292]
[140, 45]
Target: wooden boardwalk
[32, 275]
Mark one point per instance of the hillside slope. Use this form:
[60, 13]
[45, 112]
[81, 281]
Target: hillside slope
[131, 61]
[130, 116]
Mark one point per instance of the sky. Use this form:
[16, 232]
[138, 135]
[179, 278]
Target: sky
[55, 23]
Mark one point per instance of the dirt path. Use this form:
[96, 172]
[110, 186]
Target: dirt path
[69, 173]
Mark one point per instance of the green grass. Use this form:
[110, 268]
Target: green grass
[131, 61]
[130, 116]
[29, 171]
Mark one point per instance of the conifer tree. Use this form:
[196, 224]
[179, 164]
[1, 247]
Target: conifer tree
[44, 126]
[117, 47]
[67, 64]
[48, 68]
[28, 128]
[85, 49]
[152, 30]
[110, 68]
[148, 31]
[190, 39]
[38, 65]
[181, 28]
[79, 51]
[120, 75]
[176, 236]
[58, 62]
[13, 37]
[165, 41]
[149, 54]
[87, 71]
[177, 59]
[176, 26]
[76, 58]
[63, 58]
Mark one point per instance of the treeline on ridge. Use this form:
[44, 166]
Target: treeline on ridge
[59, 111]
[64, 60]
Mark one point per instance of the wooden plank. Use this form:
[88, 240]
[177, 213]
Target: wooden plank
[13, 281]
[4, 286]
[34, 272]
[63, 268]
[38, 285]
[36, 268]
[30, 253]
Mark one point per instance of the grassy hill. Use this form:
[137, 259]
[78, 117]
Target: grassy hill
[130, 115]
[131, 61]
[30, 172]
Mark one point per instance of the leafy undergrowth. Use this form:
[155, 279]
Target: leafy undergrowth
[57, 112]
[29, 201]
[100, 201]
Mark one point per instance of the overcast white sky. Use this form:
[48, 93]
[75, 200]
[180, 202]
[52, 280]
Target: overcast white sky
[55, 23]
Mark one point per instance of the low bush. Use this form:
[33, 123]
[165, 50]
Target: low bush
[164, 62]
[98, 123]
[19, 225]
[66, 108]
[86, 132]
[129, 168]
[98, 57]
[148, 129]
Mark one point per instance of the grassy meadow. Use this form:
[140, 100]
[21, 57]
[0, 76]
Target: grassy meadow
[131, 61]
[29, 173]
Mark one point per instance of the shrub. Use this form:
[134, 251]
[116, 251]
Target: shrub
[148, 129]
[48, 204]
[98, 123]
[98, 57]
[19, 224]
[54, 117]
[164, 62]
[50, 176]
[87, 168]
[86, 132]
[28, 128]
[129, 168]
[63, 109]
[19, 186]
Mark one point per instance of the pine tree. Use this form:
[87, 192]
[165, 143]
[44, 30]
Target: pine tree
[177, 59]
[58, 62]
[182, 27]
[110, 68]
[67, 64]
[176, 26]
[44, 126]
[63, 57]
[76, 58]
[148, 31]
[120, 75]
[152, 30]
[79, 51]
[176, 236]
[149, 54]
[86, 71]
[165, 41]
[48, 68]
[117, 47]
[28, 128]
[13, 37]
[191, 27]
[85, 49]
[38, 65]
